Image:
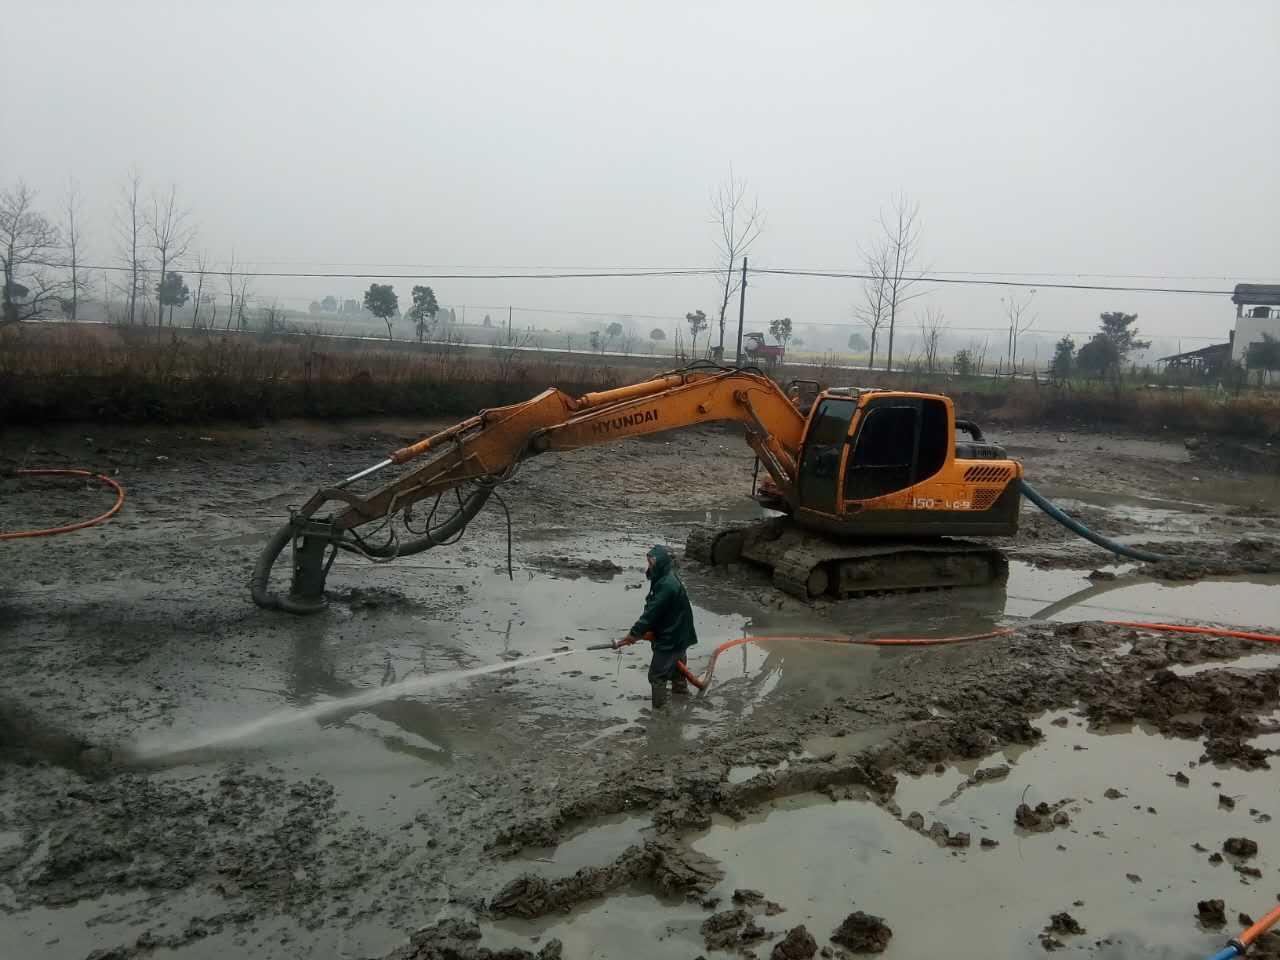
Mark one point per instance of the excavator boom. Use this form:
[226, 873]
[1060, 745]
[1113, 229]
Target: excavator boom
[481, 452]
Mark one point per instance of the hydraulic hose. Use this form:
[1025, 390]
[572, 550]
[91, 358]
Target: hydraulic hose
[1075, 526]
[269, 600]
[67, 528]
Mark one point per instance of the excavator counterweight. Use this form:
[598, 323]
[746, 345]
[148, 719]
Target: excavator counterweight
[871, 485]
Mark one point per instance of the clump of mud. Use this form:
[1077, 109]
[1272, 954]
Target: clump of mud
[1212, 913]
[571, 568]
[798, 944]
[1240, 847]
[372, 598]
[1065, 923]
[1194, 561]
[673, 867]
[863, 933]
[1043, 817]
[460, 940]
[1228, 703]
[757, 901]
[731, 928]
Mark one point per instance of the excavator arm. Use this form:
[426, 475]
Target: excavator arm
[480, 453]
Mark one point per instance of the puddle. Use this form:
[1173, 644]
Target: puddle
[601, 842]
[818, 857]
[1129, 860]
[1254, 661]
[628, 926]
[1068, 595]
[743, 773]
[1069, 495]
[746, 511]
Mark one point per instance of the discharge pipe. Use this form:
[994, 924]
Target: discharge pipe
[1076, 527]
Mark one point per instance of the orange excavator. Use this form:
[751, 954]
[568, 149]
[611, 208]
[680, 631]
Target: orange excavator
[871, 487]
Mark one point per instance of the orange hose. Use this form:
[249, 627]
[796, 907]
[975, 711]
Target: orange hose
[1261, 927]
[1003, 632]
[67, 528]
[689, 676]
[1209, 631]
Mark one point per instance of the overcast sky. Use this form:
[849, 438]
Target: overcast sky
[1109, 138]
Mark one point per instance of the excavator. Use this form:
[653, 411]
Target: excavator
[873, 490]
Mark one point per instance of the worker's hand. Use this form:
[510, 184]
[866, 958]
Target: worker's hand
[627, 641]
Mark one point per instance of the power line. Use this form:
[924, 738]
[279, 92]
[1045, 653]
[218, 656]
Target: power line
[1077, 275]
[624, 273]
[268, 274]
[924, 278]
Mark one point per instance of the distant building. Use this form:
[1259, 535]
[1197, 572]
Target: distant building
[1207, 360]
[1257, 312]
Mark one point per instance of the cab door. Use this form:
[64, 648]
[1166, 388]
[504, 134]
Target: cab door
[899, 442]
[824, 446]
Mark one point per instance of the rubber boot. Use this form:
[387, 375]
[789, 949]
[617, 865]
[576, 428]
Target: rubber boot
[660, 695]
[680, 686]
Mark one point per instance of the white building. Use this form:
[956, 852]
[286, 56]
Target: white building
[1257, 312]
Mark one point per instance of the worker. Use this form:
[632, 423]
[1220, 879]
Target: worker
[668, 619]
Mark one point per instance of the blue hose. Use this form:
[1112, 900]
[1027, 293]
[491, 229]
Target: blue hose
[1226, 953]
[1075, 526]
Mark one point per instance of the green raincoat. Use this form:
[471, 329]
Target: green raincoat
[667, 613]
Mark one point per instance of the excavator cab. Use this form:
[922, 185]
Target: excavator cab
[884, 462]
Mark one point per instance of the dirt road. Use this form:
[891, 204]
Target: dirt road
[185, 774]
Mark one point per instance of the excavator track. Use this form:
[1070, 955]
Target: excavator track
[807, 565]
[716, 546]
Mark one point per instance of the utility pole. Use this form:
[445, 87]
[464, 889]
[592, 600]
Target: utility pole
[742, 306]
[509, 340]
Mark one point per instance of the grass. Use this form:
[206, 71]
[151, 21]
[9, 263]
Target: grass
[100, 373]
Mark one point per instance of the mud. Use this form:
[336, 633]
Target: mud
[460, 940]
[670, 866]
[359, 827]
[863, 933]
[798, 944]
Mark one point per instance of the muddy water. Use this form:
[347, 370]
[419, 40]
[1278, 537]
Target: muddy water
[1124, 868]
[1067, 595]
[356, 704]
[161, 644]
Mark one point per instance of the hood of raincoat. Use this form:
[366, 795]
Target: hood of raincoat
[662, 561]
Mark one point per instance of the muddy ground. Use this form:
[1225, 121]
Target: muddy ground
[184, 774]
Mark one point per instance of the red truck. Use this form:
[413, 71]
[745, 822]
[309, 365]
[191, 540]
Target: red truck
[754, 346]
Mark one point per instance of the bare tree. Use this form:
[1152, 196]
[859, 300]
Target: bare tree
[1015, 310]
[900, 227]
[73, 246]
[739, 222]
[171, 234]
[273, 320]
[874, 309]
[931, 327]
[231, 288]
[243, 300]
[28, 244]
[129, 224]
[202, 263]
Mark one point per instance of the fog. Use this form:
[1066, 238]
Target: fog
[1040, 139]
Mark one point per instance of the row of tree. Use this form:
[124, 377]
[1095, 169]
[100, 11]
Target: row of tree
[44, 259]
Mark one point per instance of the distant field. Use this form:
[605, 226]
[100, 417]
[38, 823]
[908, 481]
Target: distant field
[61, 372]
